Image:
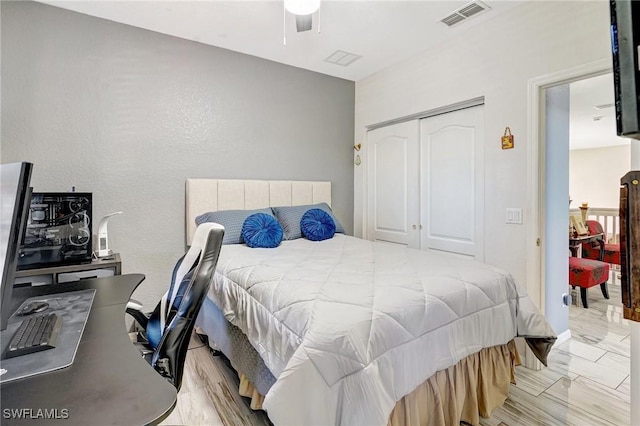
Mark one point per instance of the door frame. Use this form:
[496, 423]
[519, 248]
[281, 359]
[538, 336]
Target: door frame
[536, 285]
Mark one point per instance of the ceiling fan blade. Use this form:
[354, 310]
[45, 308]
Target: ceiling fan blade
[304, 22]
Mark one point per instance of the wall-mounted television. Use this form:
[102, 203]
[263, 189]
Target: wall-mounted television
[58, 230]
[625, 42]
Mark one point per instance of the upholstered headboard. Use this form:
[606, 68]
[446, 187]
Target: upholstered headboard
[209, 195]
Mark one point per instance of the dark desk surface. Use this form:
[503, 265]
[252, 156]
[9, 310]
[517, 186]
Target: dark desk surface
[108, 382]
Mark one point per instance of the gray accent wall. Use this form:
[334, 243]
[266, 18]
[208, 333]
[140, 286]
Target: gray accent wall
[129, 114]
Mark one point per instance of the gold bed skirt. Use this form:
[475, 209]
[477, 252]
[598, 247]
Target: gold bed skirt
[473, 387]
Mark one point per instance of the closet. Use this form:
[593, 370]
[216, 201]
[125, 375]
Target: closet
[425, 183]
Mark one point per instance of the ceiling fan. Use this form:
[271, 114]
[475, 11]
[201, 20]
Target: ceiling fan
[303, 11]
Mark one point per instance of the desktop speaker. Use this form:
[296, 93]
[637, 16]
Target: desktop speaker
[103, 236]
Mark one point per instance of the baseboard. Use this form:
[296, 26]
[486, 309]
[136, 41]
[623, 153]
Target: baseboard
[562, 337]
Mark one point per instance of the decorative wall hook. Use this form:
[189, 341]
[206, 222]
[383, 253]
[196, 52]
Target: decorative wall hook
[357, 147]
[507, 139]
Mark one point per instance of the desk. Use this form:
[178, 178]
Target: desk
[108, 382]
[576, 242]
[63, 273]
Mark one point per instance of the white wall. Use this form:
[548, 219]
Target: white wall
[594, 175]
[494, 60]
[635, 154]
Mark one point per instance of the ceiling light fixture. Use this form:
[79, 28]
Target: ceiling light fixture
[302, 7]
[303, 11]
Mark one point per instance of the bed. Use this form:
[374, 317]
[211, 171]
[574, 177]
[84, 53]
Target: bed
[350, 331]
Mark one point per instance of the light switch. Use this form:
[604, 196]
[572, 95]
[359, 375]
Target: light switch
[514, 215]
[517, 216]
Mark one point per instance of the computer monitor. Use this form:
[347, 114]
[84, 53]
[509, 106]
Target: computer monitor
[15, 194]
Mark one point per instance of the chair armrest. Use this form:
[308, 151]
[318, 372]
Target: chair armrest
[134, 308]
[145, 350]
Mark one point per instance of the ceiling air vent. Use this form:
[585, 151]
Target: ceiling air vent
[471, 9]
[453, 19]
[463, 13]
[343, 58]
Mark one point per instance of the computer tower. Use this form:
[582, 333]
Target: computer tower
[58, 230]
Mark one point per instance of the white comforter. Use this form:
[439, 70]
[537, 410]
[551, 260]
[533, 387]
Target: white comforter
[348, 327]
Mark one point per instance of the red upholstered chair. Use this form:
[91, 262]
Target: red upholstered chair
[592, 250]
[586, 273]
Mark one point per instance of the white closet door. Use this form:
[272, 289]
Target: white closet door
[393, 206]
[452, 181]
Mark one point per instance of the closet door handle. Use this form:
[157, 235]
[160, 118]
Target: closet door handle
[414, 226]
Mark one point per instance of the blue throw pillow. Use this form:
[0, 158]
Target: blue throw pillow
[317, 225]
[261, 230]
[289, 218]
[232, 220]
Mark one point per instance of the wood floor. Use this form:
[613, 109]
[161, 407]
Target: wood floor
[209, 394]
[586, 383]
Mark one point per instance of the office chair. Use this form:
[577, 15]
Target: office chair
[164, 334]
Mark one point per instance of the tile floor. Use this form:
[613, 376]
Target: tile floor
[586, 383]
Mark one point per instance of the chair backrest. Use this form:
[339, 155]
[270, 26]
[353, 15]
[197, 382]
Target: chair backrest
[595, 227]
[170, 352]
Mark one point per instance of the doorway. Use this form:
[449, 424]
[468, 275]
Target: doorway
[598, 158]
[599, 351]
[549, 209]
[584, 162]
[607, 337]
[550, 168]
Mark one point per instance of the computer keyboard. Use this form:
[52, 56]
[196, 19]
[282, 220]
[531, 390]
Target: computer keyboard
[35, 334]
